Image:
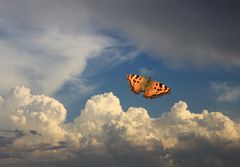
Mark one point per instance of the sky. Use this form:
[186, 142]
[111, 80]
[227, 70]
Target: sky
[65, 99]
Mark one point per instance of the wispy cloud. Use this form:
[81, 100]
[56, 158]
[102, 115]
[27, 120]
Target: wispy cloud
[146, 71]
[104, 135]
[48, 59]
[50, 46]
[226, 92]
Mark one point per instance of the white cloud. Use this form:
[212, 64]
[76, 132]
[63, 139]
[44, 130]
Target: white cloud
[226, 92]
[48, 59]
[105, 135]
[45, 44]
[21, 110]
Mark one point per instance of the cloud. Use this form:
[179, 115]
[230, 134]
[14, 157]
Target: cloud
[146, 71]
[187, 33]
[104, 135]
[45, 44]
[47, 59]
[225, 92]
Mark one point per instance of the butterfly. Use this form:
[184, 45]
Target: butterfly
[151, 89]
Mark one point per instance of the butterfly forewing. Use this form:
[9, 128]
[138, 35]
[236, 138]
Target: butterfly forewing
[136, 82]
[155, 89]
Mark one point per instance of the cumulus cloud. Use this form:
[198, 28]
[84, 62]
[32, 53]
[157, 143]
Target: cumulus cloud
[34, 130]
[226, 92]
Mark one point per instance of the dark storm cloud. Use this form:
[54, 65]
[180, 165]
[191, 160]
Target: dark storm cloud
[195, 32]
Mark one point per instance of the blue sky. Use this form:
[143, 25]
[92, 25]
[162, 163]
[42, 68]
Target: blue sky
[193, 85]
[63, 68]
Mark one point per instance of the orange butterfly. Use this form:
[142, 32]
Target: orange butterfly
[151, 89]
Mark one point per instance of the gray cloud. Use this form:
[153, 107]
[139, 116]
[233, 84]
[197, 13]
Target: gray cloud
[7, 137]
[226, 93]
[187, 32]
[34, 132]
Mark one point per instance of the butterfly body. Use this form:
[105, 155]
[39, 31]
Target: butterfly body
[151, 89]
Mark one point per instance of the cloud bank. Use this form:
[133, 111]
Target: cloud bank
[34, 131]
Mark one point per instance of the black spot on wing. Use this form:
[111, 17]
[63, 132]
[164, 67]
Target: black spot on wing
[160, 85]
[137, 77]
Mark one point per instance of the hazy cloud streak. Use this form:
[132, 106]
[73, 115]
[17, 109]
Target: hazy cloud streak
[226, 92]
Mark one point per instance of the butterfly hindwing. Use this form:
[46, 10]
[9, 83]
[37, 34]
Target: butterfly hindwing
[155, 89]
[136, 82]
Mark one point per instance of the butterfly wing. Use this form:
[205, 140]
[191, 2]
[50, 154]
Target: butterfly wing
[136, 82]
[155, 89]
